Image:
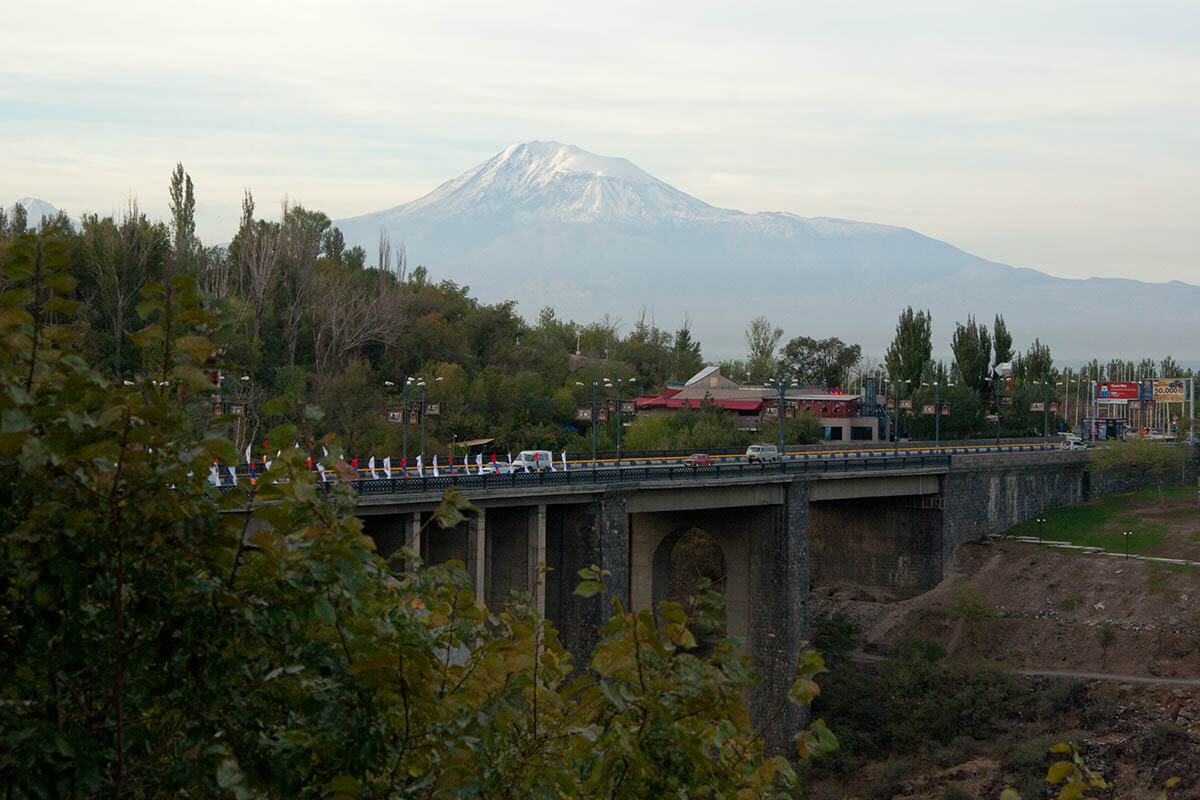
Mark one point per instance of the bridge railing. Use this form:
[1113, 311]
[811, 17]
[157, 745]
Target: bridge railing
[533, 481]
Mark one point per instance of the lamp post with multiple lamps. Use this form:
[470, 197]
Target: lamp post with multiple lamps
[1127, 534]
[620, 416]
[781, 386]
[421, 383]
[897, 382]
[937, 409]
[595, 387]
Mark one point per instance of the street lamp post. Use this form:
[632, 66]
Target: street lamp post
[421, 383]
[782, 386]
[404, 410]
[620, 420]
[1127, 534]
[1045, 409]
[595, 388]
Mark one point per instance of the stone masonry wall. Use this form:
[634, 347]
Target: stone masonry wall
[881, 541]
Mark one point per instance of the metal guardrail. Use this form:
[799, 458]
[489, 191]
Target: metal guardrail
[584, 476]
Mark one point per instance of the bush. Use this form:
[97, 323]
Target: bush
[953, 791]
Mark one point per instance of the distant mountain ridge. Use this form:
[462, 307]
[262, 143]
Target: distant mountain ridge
[549, 224]
[35, 209]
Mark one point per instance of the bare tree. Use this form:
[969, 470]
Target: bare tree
[256, 250]
[351, 315]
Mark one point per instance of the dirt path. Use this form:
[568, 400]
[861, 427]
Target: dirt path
[858, 655]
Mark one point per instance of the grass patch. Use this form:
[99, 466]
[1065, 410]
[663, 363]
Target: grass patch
[1096, 524]
[1160, 572]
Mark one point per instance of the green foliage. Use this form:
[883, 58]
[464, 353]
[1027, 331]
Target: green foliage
[972, 608]
[161, 638]
[824, 362]
[908, 355]
[972, 348]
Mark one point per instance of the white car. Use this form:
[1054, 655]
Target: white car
[765, 453]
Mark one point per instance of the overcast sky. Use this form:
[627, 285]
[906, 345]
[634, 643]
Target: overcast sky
[1061, 136]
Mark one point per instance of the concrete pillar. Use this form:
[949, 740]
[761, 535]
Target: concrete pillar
[477, 553]
[537, 556]
[779, 593]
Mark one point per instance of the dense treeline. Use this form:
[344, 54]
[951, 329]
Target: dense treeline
[311, 321]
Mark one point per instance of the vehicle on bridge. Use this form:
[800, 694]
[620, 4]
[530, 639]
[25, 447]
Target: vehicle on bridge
[765, 453]
[533, 460]
[699, 460]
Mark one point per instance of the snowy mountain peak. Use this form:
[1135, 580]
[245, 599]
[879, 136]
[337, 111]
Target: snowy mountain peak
[551, 181]
[35, 209]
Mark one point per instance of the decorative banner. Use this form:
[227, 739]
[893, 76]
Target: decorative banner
[771, 411]
[602, 415]
[1117, 391]
[628, 407]
[1005, 400]
[945, 409]
[1168, 390]
[218, 408]
[890, 404]
[583, 414]
[237, 409]
[1053, 406]
[414, 417]
[789, 412]
[929, 409]
[906, 403]
[433, 409]
[395, 416]
[1038, 406]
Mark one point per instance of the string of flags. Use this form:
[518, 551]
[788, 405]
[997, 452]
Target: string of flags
[373, 470]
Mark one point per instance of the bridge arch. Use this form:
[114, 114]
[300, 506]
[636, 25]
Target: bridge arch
[682, 558]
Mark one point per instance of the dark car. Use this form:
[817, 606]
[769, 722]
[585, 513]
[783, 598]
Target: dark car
[699, 460]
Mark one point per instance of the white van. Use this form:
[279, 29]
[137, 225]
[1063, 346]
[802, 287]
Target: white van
[533, 459]
[765, 453]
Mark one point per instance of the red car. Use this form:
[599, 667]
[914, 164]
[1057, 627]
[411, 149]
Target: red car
[699, 460]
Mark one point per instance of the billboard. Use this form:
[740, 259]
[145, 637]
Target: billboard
[906, 403]
[928, 409]
[1116, 391]
[1168, 390]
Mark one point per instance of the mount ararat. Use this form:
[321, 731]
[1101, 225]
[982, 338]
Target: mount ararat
[548, 224]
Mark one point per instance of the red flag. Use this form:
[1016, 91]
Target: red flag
[404, 465]
[310, 463]
[354, 463]
[493, 459]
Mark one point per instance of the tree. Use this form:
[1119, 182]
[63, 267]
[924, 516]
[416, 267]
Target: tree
[1037, 365]
[155, 646]
[762, 338]
[972, 348]
[908, 355]
[183, 218]
[1003, 341]
[1142, 458]
[824, 362]
[686, 359]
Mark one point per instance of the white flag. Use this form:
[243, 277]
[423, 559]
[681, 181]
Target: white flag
[466, 464]
[321, 470]
[324, 450]
[233, 474]
[1003, 369]
[479, 462]
[387, 466]
[526, 465]
[564, 460]
[213, 477]
[510, 462]
[267, 464]
[420, 468]
[247, 454]
[371, 468]
[435, 469]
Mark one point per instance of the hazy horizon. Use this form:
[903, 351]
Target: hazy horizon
[1052, 138]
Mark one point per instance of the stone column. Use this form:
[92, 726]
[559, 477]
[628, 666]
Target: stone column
[779, 597]
[477, 553]
[412, 539]
[536, 539]
[600, 536]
